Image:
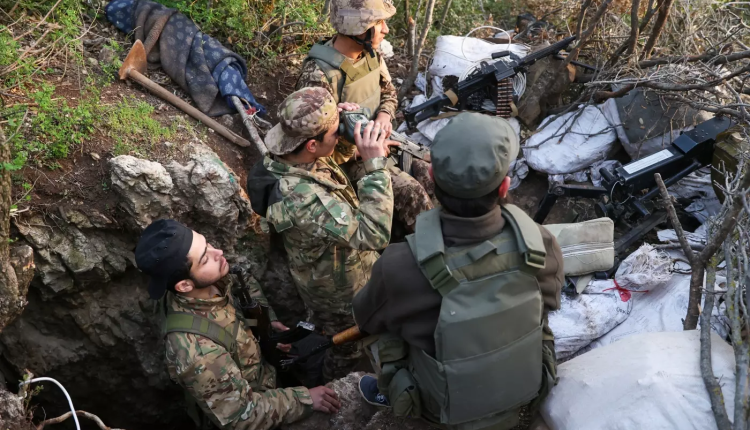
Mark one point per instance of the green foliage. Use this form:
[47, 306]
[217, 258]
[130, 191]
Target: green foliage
[238, 23]
[130, 123]
[463, 16]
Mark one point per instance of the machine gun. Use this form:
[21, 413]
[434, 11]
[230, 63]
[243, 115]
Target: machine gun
[488, 74]
[406, 151]
[253, 310]
[627, 193]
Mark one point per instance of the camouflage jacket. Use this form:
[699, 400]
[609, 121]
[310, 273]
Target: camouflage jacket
[312, 75]
[236, 393]
[331, 236]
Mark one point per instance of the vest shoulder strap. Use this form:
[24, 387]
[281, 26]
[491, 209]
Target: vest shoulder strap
[184, 322]
[427, 246]
[528, 236]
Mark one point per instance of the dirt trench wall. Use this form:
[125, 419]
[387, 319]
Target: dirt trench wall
[89, 322]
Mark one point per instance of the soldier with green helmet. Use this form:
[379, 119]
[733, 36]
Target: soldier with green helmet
[458, 313]
[210, 350]
[349, 66]
[330, 232]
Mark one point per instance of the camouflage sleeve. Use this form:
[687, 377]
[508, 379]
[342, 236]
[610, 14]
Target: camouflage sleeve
[388, 93]
[366, 228]
[215, 382]
[257, 293]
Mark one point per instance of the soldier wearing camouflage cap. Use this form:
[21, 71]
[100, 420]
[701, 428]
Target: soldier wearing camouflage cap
[461, 307]
[351, 69]
[330, 235]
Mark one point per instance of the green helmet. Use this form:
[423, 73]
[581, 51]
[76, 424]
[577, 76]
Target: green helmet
[354, 17]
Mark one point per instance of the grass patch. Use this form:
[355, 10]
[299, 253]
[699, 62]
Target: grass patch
[130, 124]
[55, 127]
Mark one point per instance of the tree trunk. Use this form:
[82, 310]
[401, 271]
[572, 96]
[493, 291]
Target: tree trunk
[446, 9]
[661, 21]
[17, 265]
[418, 50]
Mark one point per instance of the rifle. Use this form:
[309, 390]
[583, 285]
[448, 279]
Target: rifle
[628, 191]
[488, 74]
[351, 334]
[254, 310]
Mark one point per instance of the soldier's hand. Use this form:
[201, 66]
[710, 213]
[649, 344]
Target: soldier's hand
[279, 326]
[325, 400]
[347, 106]
[384, 119]
[370, 143]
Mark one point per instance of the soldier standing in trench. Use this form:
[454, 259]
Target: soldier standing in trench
[330, 232]
[349, 67]
[210, 351]
[461, 307]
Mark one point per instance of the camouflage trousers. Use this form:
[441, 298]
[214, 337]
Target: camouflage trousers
[341, 359]
[409, 195]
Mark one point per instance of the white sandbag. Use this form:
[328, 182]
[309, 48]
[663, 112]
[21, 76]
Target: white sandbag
[454, 55]
[430, 127]
[590, 139]
[697, 184]
[586, 317]
[421, 82]
[647, 381]
[671, 236]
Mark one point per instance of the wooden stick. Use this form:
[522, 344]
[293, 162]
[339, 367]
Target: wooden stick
[67, 415]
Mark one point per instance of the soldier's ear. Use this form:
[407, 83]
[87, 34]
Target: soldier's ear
[184, 286]
[504, 187]
[311, 145]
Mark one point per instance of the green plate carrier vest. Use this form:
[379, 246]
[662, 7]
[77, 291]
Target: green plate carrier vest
[353, 82]
[488, 338]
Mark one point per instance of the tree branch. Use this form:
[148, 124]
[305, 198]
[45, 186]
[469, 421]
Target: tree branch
[706, 57]
[583, 37]
[418, 50]
[667, 201]
[633, 27]
[712, 385]
[661, 20]
[67, 415]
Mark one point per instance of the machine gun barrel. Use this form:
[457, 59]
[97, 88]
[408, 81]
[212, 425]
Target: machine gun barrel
[489, 74]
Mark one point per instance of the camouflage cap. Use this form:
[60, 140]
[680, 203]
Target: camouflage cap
[354, 17]
[471, 155]
[303, 115]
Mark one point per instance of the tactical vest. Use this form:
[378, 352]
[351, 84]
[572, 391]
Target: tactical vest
[488, 340]
[357, 82]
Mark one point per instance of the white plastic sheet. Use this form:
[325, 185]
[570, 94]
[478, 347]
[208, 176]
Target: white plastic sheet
[570, 143]
[647, 381]
[454, 55]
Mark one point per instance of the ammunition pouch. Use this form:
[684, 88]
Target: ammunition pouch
[390, 353]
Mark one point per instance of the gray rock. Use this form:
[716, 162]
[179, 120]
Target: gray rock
[11, 411]
[107, 55]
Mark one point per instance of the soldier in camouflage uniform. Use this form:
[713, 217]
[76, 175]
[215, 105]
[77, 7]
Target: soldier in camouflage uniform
[330, 235]
[349, 67]
[210, 351]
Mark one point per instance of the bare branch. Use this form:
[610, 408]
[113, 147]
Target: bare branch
[409, 81]
[705, 57]
[633, 27]
[661, 20]
[667, 201]
[712, 385]
[67, 415]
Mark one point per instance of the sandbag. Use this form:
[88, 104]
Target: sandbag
[554, 149]
[587, 246]
[585, 317]
[646, 381]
